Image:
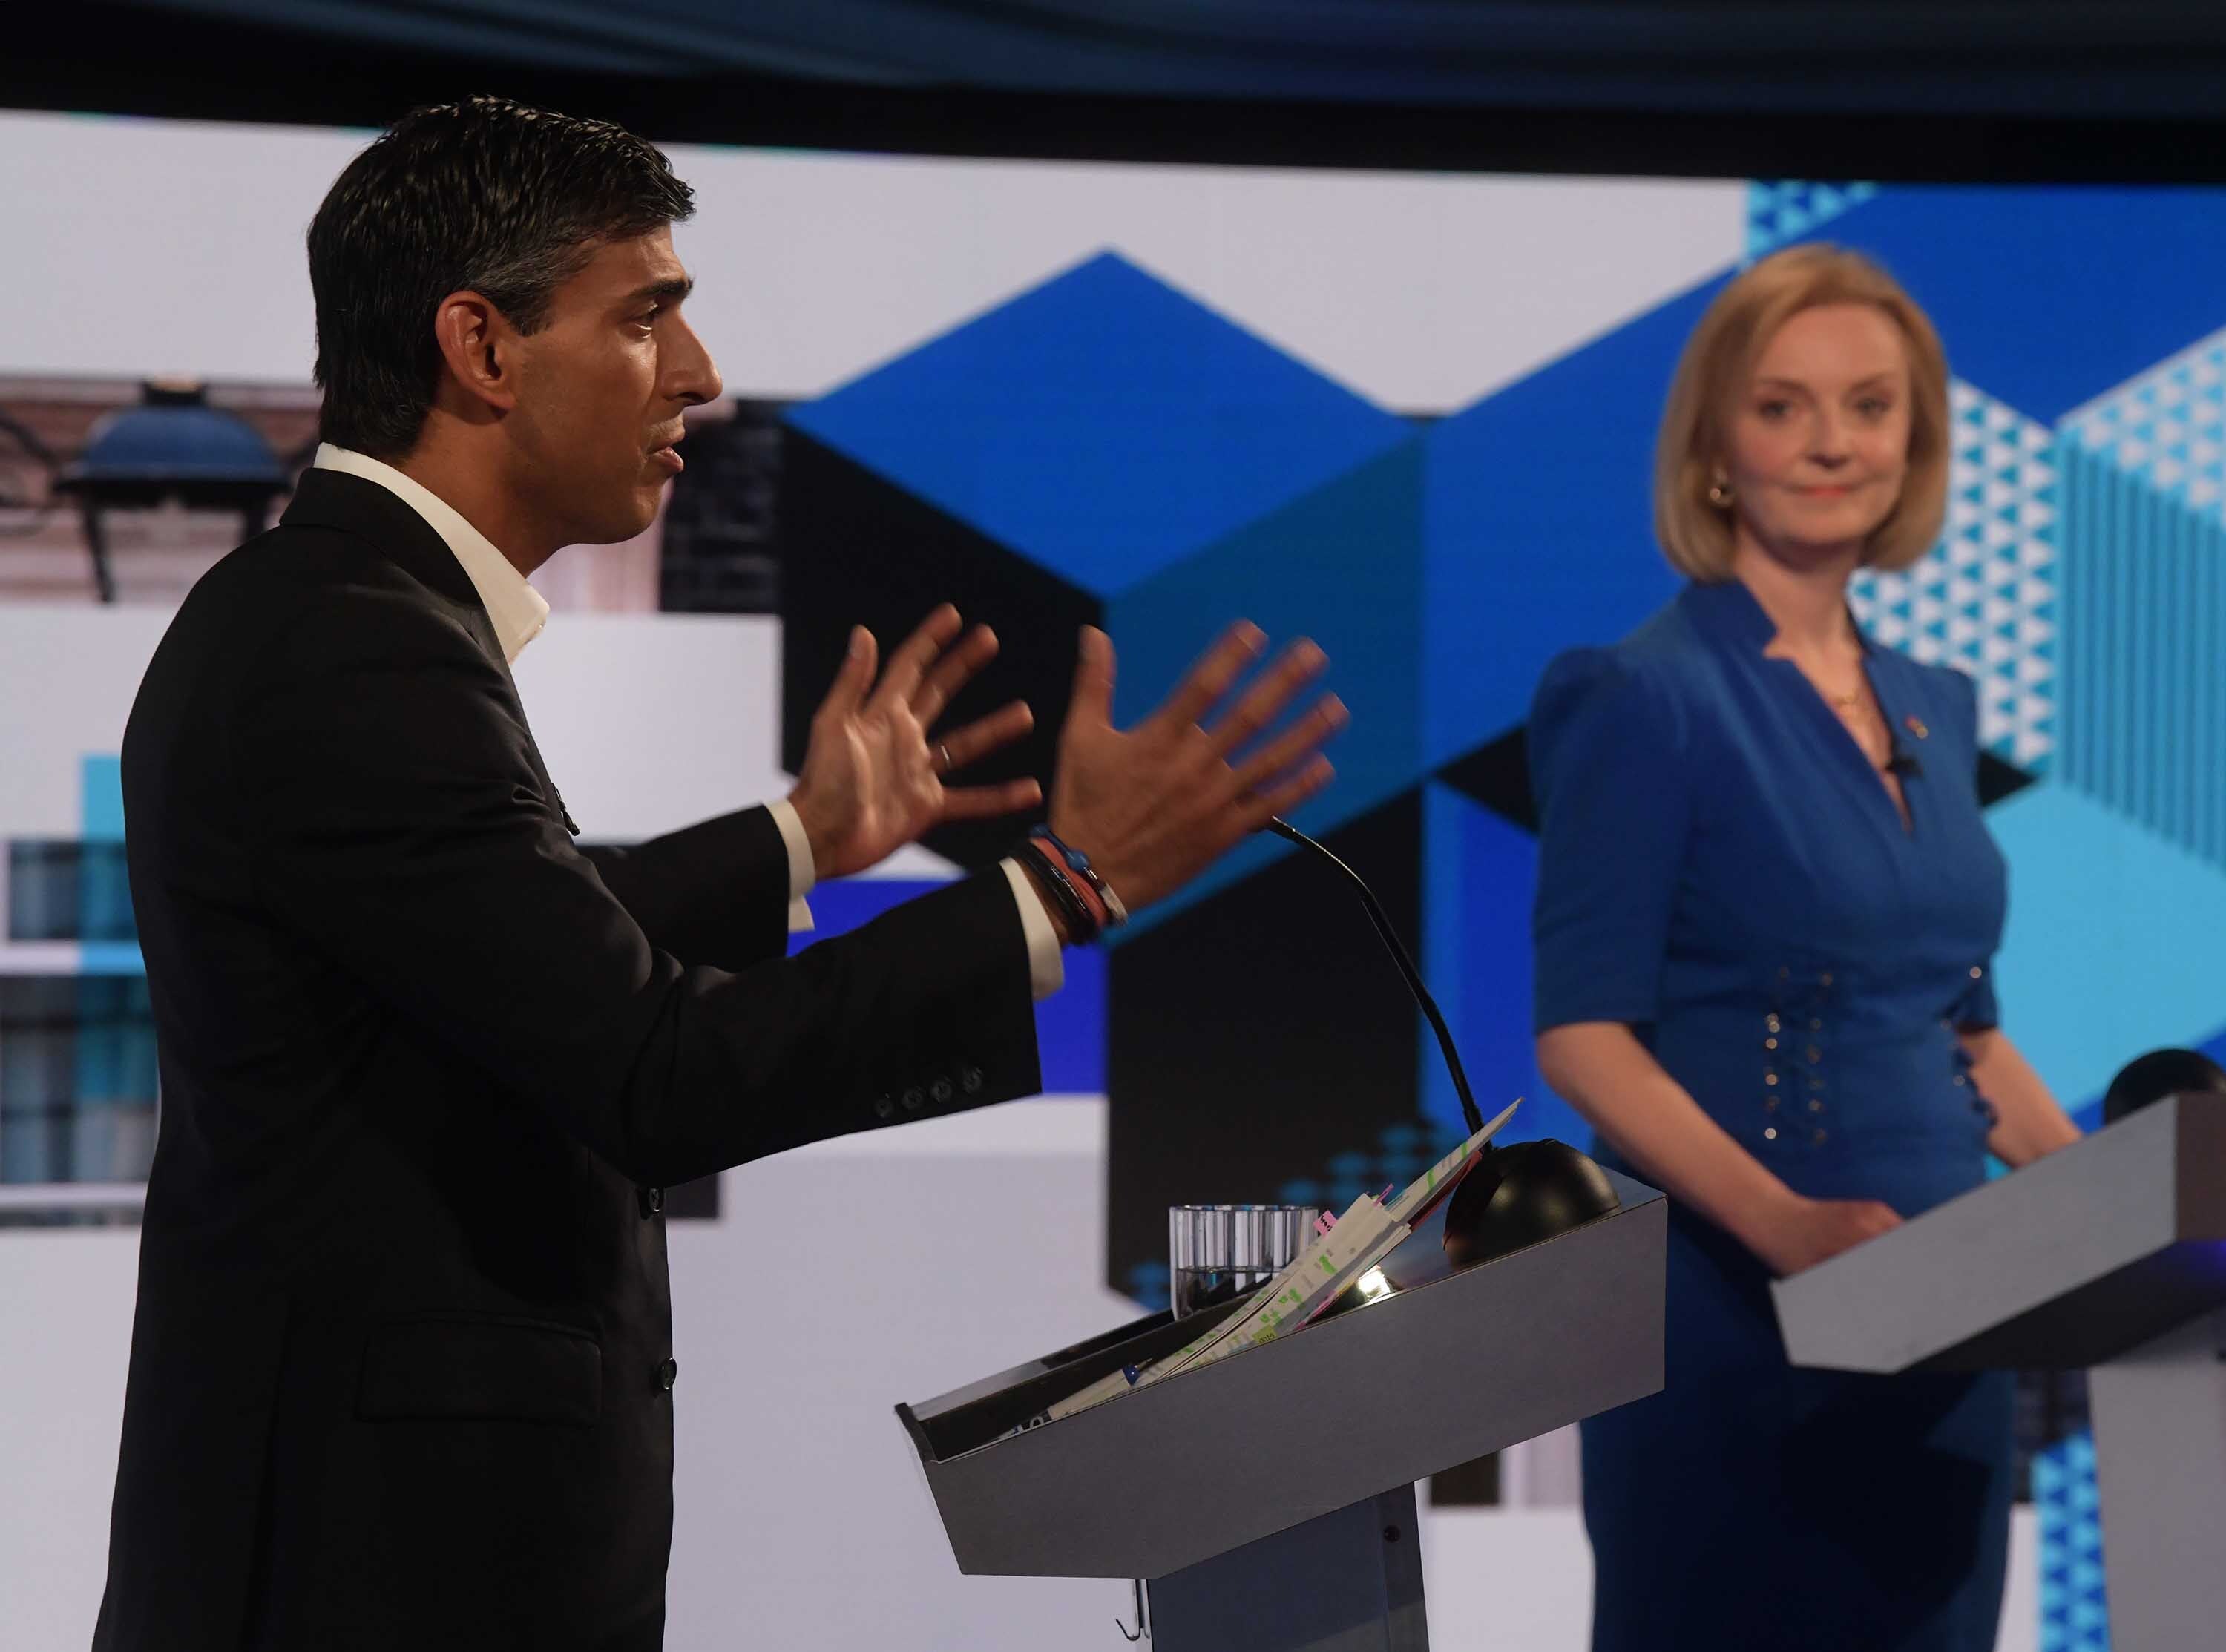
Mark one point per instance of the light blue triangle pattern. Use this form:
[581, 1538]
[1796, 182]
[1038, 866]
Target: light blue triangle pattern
[2167, 428]
[2075, 1614]
[1784, 210]
[1984, 598]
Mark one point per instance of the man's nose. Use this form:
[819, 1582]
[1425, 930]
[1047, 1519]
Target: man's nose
[694, 378]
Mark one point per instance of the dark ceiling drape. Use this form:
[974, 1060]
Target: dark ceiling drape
[1848, 87]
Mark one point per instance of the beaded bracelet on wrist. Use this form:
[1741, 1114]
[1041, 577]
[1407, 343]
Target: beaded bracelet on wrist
[1084, 893]
[1082, 924]
[1078, 863]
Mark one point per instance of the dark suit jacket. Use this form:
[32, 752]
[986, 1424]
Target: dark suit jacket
[402, 1368]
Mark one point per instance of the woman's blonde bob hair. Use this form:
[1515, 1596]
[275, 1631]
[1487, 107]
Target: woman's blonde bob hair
[1696, 535]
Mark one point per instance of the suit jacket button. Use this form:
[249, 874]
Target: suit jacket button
[912, 1099]
[668, 1374]
[970, 1079]
[940, 1089]
[883, 1106]
[651, 1200]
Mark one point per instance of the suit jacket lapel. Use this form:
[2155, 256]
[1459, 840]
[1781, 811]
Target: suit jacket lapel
[333, 498]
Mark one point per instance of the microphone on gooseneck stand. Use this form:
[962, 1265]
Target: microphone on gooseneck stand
[1516, 1195]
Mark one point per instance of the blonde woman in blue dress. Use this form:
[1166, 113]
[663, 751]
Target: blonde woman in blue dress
[1766, 920]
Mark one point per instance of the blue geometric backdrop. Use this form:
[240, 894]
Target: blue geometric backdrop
[1174, 469]
[1157, 464]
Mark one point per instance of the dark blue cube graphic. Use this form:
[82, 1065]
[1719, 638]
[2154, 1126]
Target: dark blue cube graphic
[1103, 448]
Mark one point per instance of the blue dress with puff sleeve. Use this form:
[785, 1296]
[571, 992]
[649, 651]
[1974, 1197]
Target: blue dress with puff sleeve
[1721, 868]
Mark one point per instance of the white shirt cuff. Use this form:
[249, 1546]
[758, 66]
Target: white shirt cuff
[1046, 968]
[803, 873]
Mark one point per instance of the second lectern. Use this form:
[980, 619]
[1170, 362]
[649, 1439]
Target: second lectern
[2109, 1254]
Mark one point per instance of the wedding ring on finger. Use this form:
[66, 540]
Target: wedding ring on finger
[942, 757]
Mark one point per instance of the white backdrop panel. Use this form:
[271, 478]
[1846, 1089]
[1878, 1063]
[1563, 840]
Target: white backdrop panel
[177, 247]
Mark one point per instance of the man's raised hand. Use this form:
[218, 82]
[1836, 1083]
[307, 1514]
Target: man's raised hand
[1156, 804]
[872, 778]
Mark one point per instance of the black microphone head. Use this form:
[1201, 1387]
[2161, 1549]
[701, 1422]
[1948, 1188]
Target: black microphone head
[1520, 1194]
[2148, 1079]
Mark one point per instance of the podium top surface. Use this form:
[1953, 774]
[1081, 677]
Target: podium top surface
[1452, 1365]
[2070, 1262]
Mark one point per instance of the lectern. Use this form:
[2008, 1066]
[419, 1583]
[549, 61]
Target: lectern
[2111, 1254]
[1270, 1497]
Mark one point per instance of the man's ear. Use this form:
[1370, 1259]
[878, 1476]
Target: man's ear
[477, 348]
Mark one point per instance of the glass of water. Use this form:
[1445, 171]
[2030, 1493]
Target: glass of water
[1217, 1253]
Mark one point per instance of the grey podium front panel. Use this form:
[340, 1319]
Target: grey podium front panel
[1446, 1370]
[2070, 1262]
[1347, 1582]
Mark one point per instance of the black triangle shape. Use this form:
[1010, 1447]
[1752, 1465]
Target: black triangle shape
[1998, 779]
[1498, 775]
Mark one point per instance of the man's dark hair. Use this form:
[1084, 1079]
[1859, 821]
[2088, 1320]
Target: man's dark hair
[508, 201]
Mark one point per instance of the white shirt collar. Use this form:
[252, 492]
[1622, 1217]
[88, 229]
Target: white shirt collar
[516, 608]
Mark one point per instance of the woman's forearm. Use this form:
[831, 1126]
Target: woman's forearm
[1609, 1077]
[2028, 1122]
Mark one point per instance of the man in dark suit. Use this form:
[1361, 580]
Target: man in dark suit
[402, 1369]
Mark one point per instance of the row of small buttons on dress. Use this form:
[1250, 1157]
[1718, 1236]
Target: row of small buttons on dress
[1980, 1104]
[1777, 1032]
[939, 1091]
